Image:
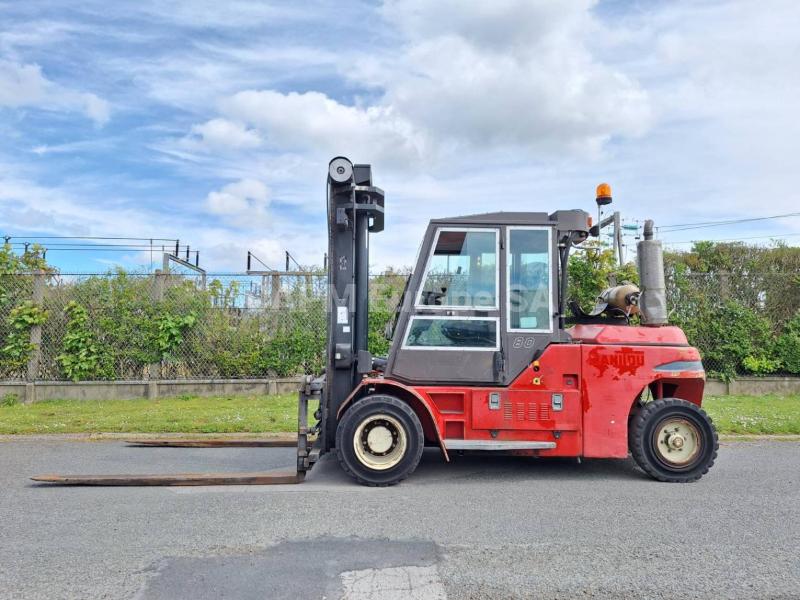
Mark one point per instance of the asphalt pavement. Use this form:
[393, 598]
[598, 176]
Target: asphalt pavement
[480, 527]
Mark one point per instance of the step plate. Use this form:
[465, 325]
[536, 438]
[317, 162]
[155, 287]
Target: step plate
[176, 479]
[497, 445]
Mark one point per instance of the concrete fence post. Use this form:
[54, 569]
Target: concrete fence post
[36, 331]
[275, 292]
[157, 295]
[724, 286]
[35, 358]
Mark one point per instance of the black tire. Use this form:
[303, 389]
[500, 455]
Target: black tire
[651, 446]
[388, 413]
[635, 410]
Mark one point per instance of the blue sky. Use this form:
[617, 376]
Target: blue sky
[213, 121]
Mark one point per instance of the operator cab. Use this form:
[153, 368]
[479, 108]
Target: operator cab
[485, 297]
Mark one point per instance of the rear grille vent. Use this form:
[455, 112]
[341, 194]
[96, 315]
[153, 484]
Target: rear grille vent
[526, 411]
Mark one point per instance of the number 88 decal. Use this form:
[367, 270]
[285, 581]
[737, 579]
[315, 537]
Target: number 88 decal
[523, 342]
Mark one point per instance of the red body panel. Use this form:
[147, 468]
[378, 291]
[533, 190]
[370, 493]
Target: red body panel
[598, 376]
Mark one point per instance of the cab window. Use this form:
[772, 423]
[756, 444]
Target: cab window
[462, 270]
[452, 333]
[530, 296]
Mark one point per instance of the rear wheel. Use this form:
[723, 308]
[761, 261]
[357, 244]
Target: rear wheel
[673, 440]
[379, 441]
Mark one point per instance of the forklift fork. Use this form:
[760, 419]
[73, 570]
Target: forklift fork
[307, 455]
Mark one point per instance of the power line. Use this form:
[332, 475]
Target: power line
[755, 237]
[76, 237]
[113, 249]
[251, 256]
[289, 256]
[81, 245]
[99, 246]
[701, 225]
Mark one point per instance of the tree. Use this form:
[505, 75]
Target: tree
[592, 269]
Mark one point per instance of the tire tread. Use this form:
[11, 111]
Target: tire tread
[397, 403]
[637, 439]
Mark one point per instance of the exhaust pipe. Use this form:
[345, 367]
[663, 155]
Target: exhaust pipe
[650, 263]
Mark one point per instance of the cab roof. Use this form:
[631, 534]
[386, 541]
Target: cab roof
[499, 218]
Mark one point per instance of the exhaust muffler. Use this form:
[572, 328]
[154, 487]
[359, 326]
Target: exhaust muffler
[650, 264]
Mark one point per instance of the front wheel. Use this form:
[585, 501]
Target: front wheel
[379, 441]
[673, 440]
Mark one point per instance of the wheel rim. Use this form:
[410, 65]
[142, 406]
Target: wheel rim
[677, 442]
[380, 442]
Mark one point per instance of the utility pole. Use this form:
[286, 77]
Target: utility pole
[618, 237]
[603, 198]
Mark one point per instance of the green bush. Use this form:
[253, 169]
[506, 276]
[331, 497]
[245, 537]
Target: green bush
[729, 335]
[592, 269]
[17, 348]
[293, 352]
[82, 357]
[788, 347]
[761, 365]
[9, 400]
[114, 327]
[386, 291]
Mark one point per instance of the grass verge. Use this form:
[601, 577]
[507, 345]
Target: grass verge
[754, 415]
[184, 414]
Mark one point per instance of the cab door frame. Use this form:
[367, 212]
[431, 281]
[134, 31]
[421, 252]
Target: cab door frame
[464, 364]
[523, 345]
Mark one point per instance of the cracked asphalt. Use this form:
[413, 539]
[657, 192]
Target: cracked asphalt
[481, 527]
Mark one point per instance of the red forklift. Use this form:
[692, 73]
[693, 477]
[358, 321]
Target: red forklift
[484, 357]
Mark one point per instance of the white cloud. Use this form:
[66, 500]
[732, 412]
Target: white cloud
[231, 253]
[106, 144]
[512, 73]
[471, 77]
[313, 122]
[222, 133]
[29, 205]
[21, 85]
[97, 109]
[87, 211]
[243, 203]
[501, 24]
[24, 85]
[212, 13]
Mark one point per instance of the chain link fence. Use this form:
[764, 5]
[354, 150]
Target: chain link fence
[746, 324]
[120, 326]
[16, 294]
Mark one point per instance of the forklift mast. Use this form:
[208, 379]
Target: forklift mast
[355, 209]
